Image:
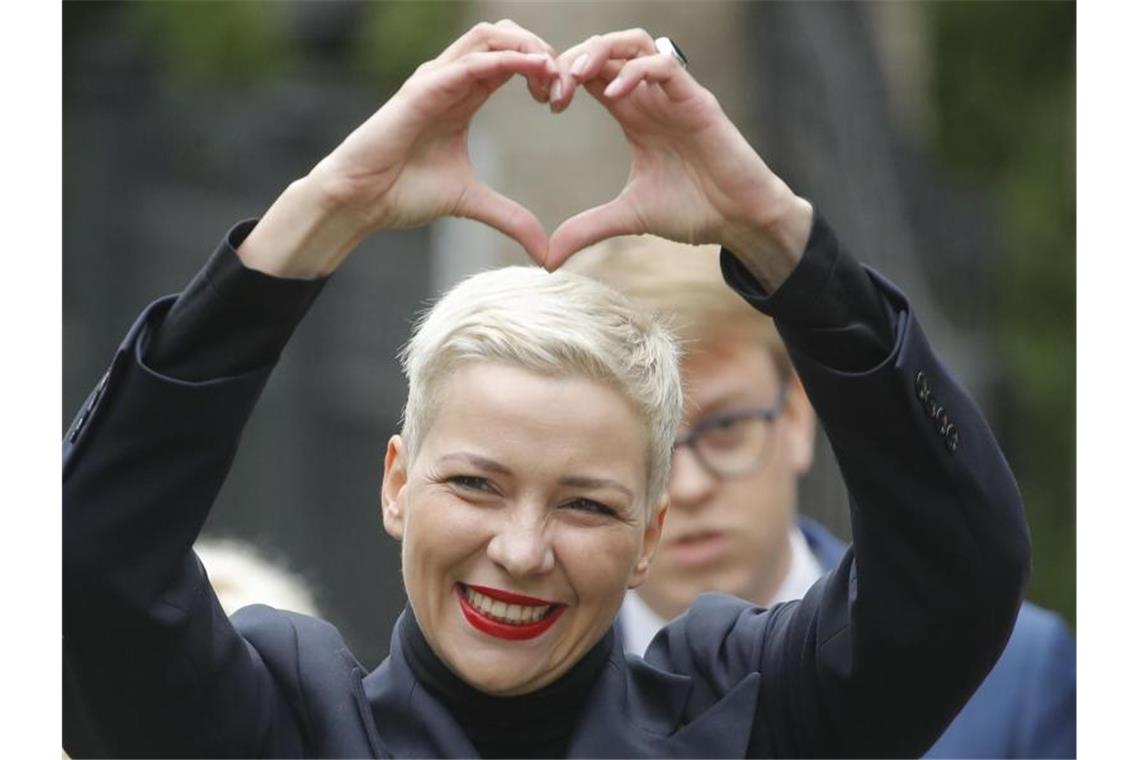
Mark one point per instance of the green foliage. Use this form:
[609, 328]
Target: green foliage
[396, 37]
[1006, 94]
[216, 43]
[219, 44]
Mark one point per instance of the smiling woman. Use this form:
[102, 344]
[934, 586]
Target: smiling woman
[527, 484]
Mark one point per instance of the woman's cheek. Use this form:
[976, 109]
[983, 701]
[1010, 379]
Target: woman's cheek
[603, 557]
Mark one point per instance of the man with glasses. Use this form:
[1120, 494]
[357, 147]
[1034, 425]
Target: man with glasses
[747, 438]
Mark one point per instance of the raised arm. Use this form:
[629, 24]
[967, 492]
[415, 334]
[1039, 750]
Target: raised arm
[152, 665]
[879, 656]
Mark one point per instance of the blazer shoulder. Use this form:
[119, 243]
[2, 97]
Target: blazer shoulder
[320, 678]
[716, 642]
[288, 639]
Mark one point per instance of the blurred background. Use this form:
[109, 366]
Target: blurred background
[937, 138]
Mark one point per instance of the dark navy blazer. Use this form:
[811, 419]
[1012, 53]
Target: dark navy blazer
[875, 660]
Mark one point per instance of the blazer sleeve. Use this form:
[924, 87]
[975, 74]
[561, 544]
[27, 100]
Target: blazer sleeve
[152, 664]
[881, 653]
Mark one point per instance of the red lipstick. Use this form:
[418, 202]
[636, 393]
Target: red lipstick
[499, 629]
[510, 597]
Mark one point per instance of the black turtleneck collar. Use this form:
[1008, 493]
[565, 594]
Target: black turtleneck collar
[538, 724]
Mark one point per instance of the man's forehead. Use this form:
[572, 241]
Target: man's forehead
[727, 372]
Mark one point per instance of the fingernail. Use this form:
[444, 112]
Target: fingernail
[612, 88]
[556, 90]
[580, 64]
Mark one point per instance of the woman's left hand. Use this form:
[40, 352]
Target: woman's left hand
[693, 177]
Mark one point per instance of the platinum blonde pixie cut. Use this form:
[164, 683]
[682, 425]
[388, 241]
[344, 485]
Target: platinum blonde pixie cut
[553, 324]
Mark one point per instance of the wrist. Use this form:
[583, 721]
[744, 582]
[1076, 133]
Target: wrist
[305, 234]
[771, 244]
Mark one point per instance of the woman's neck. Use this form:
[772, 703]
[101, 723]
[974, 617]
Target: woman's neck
[538, 724]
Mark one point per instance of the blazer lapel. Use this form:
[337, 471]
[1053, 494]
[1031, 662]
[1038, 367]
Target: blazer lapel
[635, 710]
[632, 711]
[410, 722]
[724, 730]
[639, 711]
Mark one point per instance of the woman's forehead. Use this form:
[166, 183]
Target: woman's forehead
[524, 419]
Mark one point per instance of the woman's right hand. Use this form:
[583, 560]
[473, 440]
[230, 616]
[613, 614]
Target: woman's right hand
[408, 164]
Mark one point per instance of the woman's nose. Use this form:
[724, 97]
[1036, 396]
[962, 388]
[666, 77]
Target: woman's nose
[522, 548]
[690, 483]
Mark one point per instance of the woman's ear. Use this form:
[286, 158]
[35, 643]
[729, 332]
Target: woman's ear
[650, 541]
[392, 487]
[800, 419]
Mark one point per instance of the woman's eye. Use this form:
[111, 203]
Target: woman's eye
[589, 505]
[470, 482]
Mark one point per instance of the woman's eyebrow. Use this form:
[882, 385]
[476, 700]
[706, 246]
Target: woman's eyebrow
[581, 481]
[482, 462]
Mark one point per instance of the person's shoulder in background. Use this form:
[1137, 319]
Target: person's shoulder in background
[242, 575]
[1027, 707]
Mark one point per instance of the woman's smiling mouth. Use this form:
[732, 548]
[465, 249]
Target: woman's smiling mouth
[505, 615]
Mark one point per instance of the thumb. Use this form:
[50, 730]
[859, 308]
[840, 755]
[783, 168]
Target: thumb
[591, 226]
[509, 217]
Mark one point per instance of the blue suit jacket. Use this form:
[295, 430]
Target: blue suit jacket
[874, 661]
[1027, 706]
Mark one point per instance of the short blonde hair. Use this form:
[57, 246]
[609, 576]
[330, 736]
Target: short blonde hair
[683, 286]
[555, 324]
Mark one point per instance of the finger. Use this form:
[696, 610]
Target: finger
[505, 35]
[539, 87]
[509, 217]
[606, 75]
[596, 86]
[534, 38]
[591, 226]
[583, 61]
[499, 64]
[661, 69]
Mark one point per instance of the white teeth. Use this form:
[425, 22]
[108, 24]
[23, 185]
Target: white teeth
[516, 614]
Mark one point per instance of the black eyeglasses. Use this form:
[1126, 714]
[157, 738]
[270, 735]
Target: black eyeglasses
[733, 442]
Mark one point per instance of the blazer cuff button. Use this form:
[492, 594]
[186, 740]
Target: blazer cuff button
[921, 385]
[952, 437]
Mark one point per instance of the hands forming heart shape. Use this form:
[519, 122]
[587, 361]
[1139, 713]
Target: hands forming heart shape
[693, 177]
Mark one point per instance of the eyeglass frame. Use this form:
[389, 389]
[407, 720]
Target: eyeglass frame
[768, 414]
